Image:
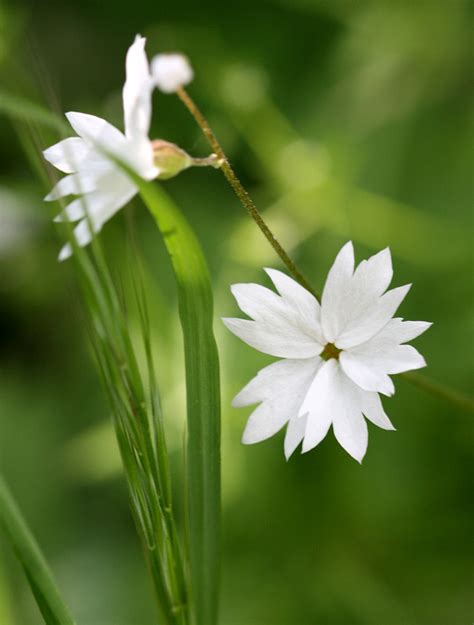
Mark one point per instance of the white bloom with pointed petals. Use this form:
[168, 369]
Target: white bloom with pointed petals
[337, 356]
[103, 187]
[171, 71]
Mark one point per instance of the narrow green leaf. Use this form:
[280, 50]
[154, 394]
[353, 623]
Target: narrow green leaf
[42, 583]
[203, 398]
[24, 110]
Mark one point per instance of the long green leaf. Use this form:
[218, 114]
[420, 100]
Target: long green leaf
[203, 398]
[42, 583]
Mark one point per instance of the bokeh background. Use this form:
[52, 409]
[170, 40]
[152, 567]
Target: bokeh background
[345, 120]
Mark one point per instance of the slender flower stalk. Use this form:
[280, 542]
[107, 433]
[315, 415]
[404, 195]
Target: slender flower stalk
[442, 391]
[239, 189]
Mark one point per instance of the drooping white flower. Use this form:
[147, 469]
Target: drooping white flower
[103, 187]
[337, 356]
[171, 71]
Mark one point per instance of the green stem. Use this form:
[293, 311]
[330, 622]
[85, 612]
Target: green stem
[440, 390]
[239, 189]
[41, 580]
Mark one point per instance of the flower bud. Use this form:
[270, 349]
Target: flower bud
[171, 71]
[169, 158]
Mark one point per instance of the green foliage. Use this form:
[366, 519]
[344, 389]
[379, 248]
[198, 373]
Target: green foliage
[345, 120]
[43, 585]
[203, 399]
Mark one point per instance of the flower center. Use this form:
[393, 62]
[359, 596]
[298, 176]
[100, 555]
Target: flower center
[330, 351]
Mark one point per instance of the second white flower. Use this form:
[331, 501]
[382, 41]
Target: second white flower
[337, 355]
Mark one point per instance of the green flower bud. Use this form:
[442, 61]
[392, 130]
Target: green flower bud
[170, 159]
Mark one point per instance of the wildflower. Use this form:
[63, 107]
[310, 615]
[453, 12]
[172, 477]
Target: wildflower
[171, 71]
[102, 185]
[337, 356]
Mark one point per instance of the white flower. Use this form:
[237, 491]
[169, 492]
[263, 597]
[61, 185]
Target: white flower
[103, 186]
[171, 71]
[337, 355]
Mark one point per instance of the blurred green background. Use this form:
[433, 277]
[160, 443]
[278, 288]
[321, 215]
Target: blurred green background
[345, 120]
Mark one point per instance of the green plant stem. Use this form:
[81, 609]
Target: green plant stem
[41, 580]
[239, 189]
[440, 390]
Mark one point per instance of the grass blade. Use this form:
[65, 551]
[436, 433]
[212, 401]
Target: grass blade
[42, 583]
[203, 398]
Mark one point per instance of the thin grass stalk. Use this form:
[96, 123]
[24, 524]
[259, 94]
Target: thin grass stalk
[153, 515]
[43, 585]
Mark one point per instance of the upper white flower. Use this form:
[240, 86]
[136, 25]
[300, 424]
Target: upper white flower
[171, 71]
[337, 355]
[103, 186]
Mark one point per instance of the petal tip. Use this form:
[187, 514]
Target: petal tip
[247, 439]
[65, 253]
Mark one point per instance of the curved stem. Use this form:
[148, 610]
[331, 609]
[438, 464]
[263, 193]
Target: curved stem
[239, 190]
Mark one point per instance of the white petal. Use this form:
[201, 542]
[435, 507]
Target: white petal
[138, 154]
[97, 131]
[398, 331]
[171, 71]
[373, 276]
[283, 381]
[373, 410]
[360, 370]
[372, 320]
[263, 337]
[258, 302]
[334, 398]
[294, 434]
[396, 359]
[402, 358]
[110, 203]
[65, 253]
[74, 184]
[99, 206]
[93, 204]
[350, 427]
[281, 388]
[304, 304]
[317, 405]
[263, 423]
[137, 90]
[73, 212]
[337, 285]
[83, 237]
[105, 139]
[68, 154]
[274, 316]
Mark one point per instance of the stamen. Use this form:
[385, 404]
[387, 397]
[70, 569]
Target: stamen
[330, 351]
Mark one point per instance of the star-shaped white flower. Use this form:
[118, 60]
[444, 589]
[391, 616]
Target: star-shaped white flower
[337, 355]
[103, 187]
